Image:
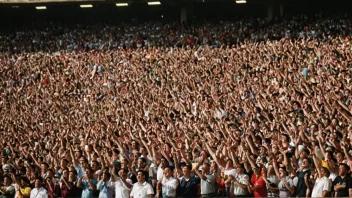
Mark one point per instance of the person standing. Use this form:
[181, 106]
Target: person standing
[207, 183]
[240, 182]
[188, 184]
[123, 185]
[142, 189]
[167, 185]
[343, 182]
[105, 186]
[39, 191]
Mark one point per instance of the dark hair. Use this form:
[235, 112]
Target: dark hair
[188, 166]
[124, 170]
[326, 171]
[116, 151]
[8, 177]
[345, 165]
[143, 172]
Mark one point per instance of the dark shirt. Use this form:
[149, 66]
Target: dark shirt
[346, 180]
[301, 188]
[188, 188]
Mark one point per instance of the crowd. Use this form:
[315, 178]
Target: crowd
[238, 109]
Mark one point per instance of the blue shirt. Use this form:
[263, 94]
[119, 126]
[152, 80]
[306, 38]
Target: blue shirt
[87, 191]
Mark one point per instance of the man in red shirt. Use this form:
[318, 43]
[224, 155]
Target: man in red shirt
[257, 185]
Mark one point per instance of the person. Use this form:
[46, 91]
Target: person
[23, 190]
[207, 180]
[241, 181]
[303, 187]
[168, 185]
[39, 191]
[189, 184]
[257, 185]
[123, 185]
[343, 183]
[7, 190]
[87, 183]
[65, 184]
[141, 189]
[286, 185]
[105, 186]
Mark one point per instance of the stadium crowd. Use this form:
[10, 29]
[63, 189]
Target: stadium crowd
[236, 109]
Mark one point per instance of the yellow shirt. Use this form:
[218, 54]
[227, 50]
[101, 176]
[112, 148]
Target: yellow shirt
[26, 192]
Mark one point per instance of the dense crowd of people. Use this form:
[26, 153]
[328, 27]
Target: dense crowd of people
[237, 109]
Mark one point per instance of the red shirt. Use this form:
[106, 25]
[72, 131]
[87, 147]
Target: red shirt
[259, 182]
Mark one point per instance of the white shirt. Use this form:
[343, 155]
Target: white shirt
[320, 186]
[121, 189]
[39, 193]
[141, 190]
[242, 179]
[169, 187]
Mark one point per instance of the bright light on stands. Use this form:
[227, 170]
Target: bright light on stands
[154, 3]
[86, 6]
[121, 4]
[40, 7]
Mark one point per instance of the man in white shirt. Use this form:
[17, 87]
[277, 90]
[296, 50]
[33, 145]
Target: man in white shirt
[167, 185]
[38, 191]
[240, 182]
[207, 183]
[322, 187]
[123, 185]
[142, 189]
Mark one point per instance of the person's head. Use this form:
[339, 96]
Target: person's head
[206, 167]
[164, 162]
[89, 172]
[63, 163]
[340, 157]
[141, 176]
[7, 180]
[186, 170]
[189, 155]
[95, 165]
[123, 173]
[141, 163]
[124, 163]
[115, 154]
[168, 172]
[305, 163]
[304, 153]
[44, 167]
[50, 173]
[72, 175]
[38, 182]
[229, 164]
[83, 161]
[105, 176]
[283, 172]
[343, 169]
[65, 173]
[257, 170]
[240, 169]
[325, 172]
[24, 181]
[262, 151]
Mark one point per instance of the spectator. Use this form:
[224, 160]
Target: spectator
[38, 190]
[141, 189]
[189, 184]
